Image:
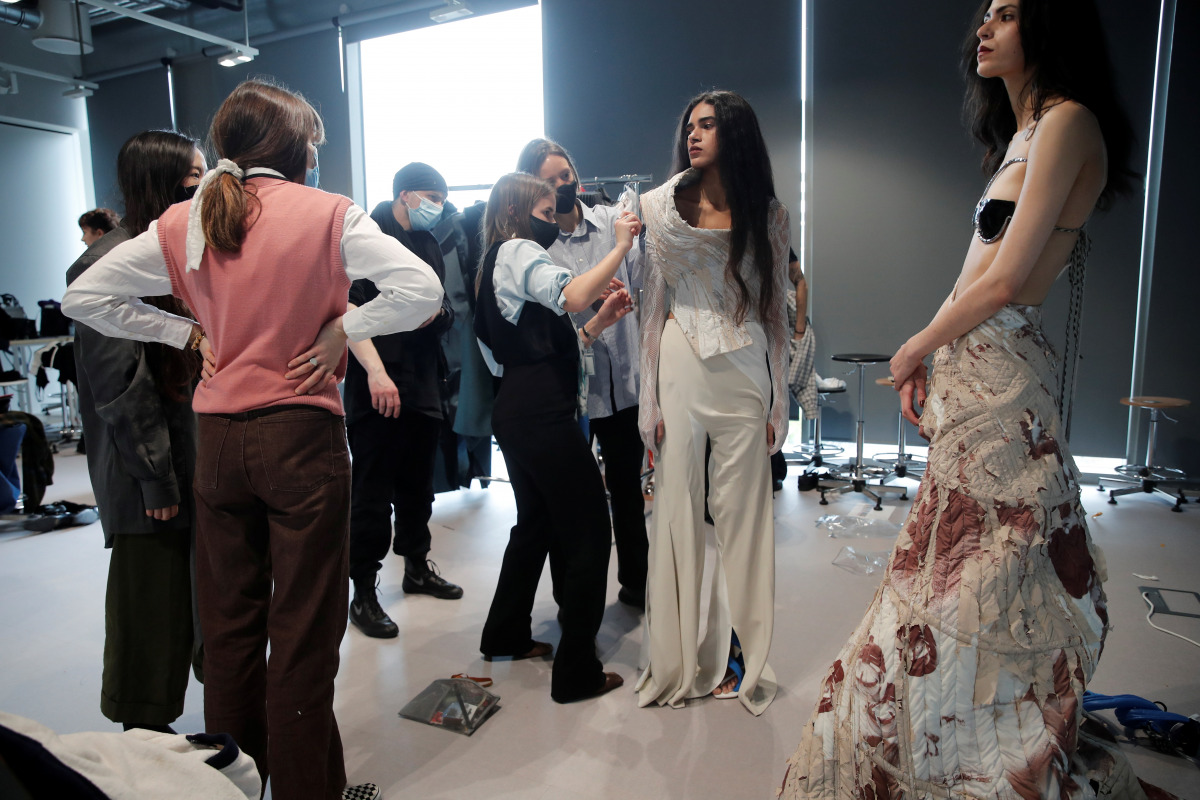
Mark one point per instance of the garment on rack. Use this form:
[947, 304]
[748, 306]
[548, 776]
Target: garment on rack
[966, 676]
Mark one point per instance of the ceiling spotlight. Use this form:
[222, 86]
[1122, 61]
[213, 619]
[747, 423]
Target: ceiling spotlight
[76, 92]
[65, 29]
[454, 9]
[232, 58]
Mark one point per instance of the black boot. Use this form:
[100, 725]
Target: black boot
[421, 577]
[368, 616]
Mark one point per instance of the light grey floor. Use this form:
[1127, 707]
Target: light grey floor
[52, 628]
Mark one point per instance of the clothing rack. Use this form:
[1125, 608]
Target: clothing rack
[635, 180]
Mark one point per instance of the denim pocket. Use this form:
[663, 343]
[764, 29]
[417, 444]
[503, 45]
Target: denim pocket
[211, 433]
[299, 448]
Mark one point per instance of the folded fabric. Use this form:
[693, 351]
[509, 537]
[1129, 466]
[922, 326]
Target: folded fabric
[124, 766]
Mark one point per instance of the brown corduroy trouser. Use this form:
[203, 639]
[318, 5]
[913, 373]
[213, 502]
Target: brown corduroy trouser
[273, 501]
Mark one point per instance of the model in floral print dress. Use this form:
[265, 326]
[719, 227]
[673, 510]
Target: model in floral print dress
[966, 676]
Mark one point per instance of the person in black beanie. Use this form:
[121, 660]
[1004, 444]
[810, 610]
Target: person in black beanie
[394, 411]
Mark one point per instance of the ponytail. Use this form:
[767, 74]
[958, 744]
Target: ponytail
[225, 212]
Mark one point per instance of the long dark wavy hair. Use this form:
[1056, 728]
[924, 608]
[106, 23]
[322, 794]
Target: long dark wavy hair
[745, 169]
[1064, 44]
[150, 167]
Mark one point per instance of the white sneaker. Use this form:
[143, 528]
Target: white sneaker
[363, 791]
[830, 384]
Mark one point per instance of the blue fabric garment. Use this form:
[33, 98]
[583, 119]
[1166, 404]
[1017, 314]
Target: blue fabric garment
[10, 479]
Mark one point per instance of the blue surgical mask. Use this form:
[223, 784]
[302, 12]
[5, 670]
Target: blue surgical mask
[312, 175]
[425, 216]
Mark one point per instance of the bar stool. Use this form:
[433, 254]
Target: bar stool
[1149, 477]
[903, 463]
[856, 476]
[816, 451]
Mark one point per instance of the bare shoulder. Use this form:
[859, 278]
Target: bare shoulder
[1070, 124]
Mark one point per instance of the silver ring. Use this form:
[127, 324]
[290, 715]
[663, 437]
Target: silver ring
[313, 361]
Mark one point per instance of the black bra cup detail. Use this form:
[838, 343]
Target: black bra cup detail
[992, 217]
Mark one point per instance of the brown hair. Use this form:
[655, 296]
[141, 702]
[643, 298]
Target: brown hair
[100, 219]
[516, 190]
[534, 154]
[260, 124]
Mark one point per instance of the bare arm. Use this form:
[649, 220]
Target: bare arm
[385, 397]
[801, 305]
[1066, 138]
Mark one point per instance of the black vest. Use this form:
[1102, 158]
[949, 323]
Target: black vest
[539, 353]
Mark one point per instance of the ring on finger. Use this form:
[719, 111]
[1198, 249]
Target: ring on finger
[314, 362]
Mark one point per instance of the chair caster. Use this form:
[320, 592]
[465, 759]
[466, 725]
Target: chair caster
[901, 471]
[904, 496]
[878, 506]
[824, 502]
[1112, 501]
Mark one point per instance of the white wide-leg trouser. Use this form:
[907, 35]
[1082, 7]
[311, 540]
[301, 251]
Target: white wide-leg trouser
[709, 400]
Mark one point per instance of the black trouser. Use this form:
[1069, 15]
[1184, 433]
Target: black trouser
[623, 451]
[392, 465]
[778, 466]
[149, 640]
[560, 507]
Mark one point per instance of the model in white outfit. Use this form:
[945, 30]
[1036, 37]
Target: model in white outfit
[708, 378]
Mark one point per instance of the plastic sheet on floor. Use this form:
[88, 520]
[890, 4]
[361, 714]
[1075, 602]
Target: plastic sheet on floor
[843, 526]
[861, 562]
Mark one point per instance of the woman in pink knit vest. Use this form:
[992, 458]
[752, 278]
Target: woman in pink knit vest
[265, 263]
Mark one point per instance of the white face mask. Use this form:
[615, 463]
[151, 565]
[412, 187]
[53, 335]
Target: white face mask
[424, 216]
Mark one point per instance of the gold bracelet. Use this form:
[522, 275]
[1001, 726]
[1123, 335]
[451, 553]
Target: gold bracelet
[196, 337]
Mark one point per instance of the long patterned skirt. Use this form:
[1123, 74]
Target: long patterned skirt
[965, 678]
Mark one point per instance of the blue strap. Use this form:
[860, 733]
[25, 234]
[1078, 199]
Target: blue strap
[1133, 711]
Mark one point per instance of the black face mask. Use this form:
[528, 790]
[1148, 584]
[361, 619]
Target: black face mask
[183, 193]
[544, 233]
[564, 197]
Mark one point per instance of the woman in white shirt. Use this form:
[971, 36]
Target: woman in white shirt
[533, 347]
[713, 369]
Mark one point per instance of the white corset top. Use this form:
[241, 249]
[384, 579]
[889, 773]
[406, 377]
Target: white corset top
[692, 263]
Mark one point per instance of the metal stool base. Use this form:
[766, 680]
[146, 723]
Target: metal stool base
[1148, 486]
[835, 485]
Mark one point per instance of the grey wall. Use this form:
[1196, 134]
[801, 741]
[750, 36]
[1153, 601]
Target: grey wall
[37, 225]
[896, 178]
[619, 73]
[1171, 361]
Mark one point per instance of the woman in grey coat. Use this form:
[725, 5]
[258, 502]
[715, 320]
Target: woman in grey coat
[135, 399]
